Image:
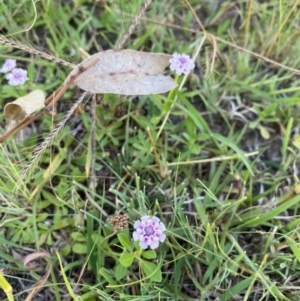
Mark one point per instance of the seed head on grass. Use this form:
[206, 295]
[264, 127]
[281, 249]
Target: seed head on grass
[181, 63]
[8, 65]
[17, 77]
[149, 232]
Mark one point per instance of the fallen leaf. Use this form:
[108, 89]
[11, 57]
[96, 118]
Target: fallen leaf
[125, 72]
[16, 111]
[39, 284]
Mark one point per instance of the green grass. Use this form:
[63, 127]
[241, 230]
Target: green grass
[217, 160]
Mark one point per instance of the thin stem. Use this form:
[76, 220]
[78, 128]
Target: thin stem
[32, 50]
[94, 147]
[41, 147]
[133, 25]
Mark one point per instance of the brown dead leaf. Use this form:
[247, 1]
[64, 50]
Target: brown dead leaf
[29, 265]
[125, 72]
[16, 111]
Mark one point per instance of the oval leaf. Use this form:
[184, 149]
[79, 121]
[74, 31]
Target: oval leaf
[79, 248]
[120, 271]
[124, 240]
[126, 259]
[152, 271]
[150, 254]
[264, 132]
[125, 72]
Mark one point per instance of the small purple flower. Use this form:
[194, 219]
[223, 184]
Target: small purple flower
[17, 77]
[8, 65]
[181, 63]
[149, 232]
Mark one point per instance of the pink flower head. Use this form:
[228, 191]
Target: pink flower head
[17, 77]
[181, 63]
[8, 65]
[149, 232]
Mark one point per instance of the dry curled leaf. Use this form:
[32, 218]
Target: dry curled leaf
[125, 72]
[16, 111]
[29, 265]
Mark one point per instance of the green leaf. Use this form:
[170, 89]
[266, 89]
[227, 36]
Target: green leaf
[152, 271]
[294, 247]
[237, 288]
[124, 241]
[79, 248]
[195, 149]
[281, 207]
[191, 127]
[192, 113]
[78, 237]
[253, 125]
[4, 284]
[150, 254]
[126, 259]
[120, 271]
[104, 273]
[287, 138]
[233, 146]
[264, 132]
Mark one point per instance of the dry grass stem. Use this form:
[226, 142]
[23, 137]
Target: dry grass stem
[32, 50]
[43, 146]
[133, 25]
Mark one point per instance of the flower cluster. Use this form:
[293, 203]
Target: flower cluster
[181, 63]
[8, 65]
[15, 76]
[149, 232]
